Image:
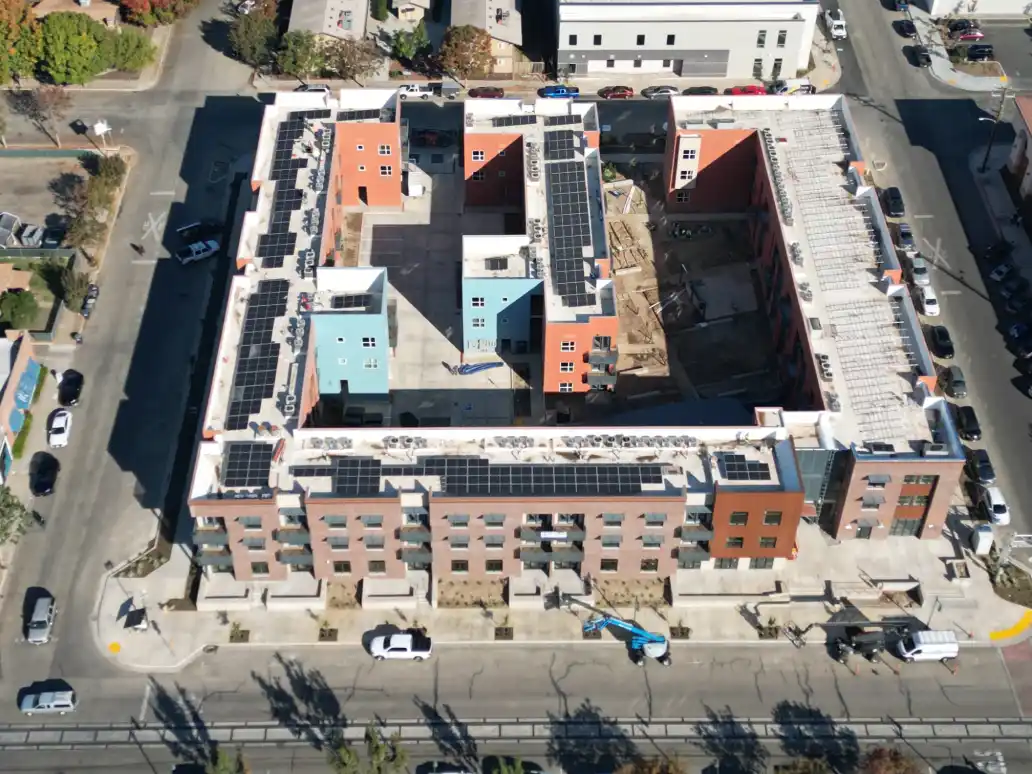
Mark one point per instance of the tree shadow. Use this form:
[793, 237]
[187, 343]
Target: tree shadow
[215, 32]
[806, 732]
[584, 741]
[186, 734]
[735, 749]
[450, 734]
[69, 191]
[303, 702]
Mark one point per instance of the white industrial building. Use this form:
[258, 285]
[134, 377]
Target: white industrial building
[761, 39]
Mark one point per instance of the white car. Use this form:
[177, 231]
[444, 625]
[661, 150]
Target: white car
[49, 702]
[411, 645]
[995, 506]
[415, 91]
[835, 21]
[929, 301]
[198, 251]
[60, 428]
[919, 273]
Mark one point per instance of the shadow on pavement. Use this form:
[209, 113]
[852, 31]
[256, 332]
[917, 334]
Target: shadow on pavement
[583, 741]
[303, 702]
[186, 735]
[807, 733]
[734, 747]
[450, 734]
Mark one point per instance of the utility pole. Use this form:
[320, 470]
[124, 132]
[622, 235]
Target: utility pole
[1002, 95]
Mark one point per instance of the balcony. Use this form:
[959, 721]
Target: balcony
[214, 559]
[600, 380]
[414, 535]
[416, 557]
[603, 356]
[559, 534]
[693, 554]
[210, 536]
[696, 533]
[539, 555]
[293, 537]
[301, 557]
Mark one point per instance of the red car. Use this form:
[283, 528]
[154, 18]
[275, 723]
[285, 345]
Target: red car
[738, 91]
[487, 92]
[972, 33]
[616, 92]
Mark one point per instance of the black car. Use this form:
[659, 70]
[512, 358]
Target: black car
[980, 52]
[961, 25]
[892, 200]
[922, 57]
[942, 342]
[980, 467]
[200, 230]
[43, 472]
[1017, 305]
[700, 91]
[956, 382]
[1015, 286]
[967, 424]
[906, 28]
[69, 389]
[1023, 348]
[92, 294]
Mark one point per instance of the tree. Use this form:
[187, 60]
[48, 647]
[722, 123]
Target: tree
[132, 50]
[14, 517]
[20, 40]
[383, 756]
[407, 44]
[352, 59]
[84, 230]
[888, 760]
[300, 54]
[223, 762]
[76, 48]
[74, 286]
[51, 107]
[154, 13]
[253, 39]
[18, 308]
[466, 51]
[379, 10]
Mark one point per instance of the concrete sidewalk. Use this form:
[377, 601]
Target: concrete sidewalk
[942, 68]
[999, 203]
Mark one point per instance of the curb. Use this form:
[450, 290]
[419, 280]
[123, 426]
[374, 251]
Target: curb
[1017, 629]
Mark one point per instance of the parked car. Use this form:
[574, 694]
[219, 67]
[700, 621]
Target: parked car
[902, 6]
[198, 251]
[906, 28]
[701, 91]
[411, 645]
[922, 57]
[53, 238]
[783, 87]
[92, 294]
[929, 301]
[659, 92]
[1015, 285]
[1017, 305]
[905, 238]
[972, 33]
[311, 88]
[245, 7]
[1017, 331]
[979, 467]
[60, 429]
[892, 201]
[956, 383]
[835, 22]
[958, 25]
[49, 703]
[616, 92]
[199, 230]
[40, 626]
[998, 251]
[745, 91]
[486, 92]
[1001, 271]
[69, 388]
[980, 53]
[919, 273]
[994, 506]
[43, 470]
[942, 342]
[559, 91]
[415, 91]
[967, 424]
[1023, 348]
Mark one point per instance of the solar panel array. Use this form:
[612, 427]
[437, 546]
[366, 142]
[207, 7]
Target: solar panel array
[569, 226]
[523, 120]
[358, 115]
[255, 374]
[356, 301]
[562, 120]
[246, 463]
[356, 476]
[738, 468]
[562, 145]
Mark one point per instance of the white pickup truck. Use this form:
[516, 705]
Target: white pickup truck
[415, 91]
[411, 645]
[835, 21]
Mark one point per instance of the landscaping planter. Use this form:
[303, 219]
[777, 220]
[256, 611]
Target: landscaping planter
[591, 635]
[240, 636]
[680, 633]
[327, 635]
[503, 633]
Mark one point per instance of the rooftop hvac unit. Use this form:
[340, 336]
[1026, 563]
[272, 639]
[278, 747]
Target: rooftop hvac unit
[407, 442]
[316, 443]
[391, 442]
[469, 119]
[935, 449]
[331, 443]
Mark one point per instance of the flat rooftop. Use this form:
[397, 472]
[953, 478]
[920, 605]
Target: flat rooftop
[866, 338]
[563, 204]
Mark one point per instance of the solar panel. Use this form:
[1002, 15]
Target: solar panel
[286, 199]
[309, 115]
[246, 463]
[562, 120]
[355, 301]
[738, 468]
[569, 226]
[497, 264]
[521, 120]
[356, 476]
[257, 356]
[358, 115]
[562, 145]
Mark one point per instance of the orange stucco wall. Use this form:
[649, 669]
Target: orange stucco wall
[581, 334]
[347, 177]
[727, 164]
[502, 167]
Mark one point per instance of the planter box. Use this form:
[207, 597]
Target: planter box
[503, 633]
[591, 635]
[680, 633]
[769, 633]
[327, 635]
[240, 636]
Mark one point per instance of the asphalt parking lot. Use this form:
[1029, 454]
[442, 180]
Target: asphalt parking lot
[1012, 44]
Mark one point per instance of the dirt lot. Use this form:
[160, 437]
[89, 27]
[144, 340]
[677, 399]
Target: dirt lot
[26, 188]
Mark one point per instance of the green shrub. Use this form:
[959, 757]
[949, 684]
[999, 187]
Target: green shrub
[18, 449]
[39, 385]
[379, 10]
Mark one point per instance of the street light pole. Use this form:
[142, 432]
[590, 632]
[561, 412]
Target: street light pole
[997, 117]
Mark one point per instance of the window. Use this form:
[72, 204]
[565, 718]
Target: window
[761, 38]
[250, 522]
[665, 64]
[377, 567]
[772, 519]
[341, 340]
[478, 155]
[611, 541]
[566, 367]
[601, 342]
[337, 543]
[566, 346]
[726, 564]
[686, 174]
[610, 63]
[478, 301]
[650, 565]
[385, 171]
[565, 386]
[501, 152]
[651, 541]
[612, 519]
[609, 565]
[494, 519]
[683, 197]
[459, 565]
[757, 69]
[569, 519]
[782, 37]
[501, 173]
[371, 364]
[872, 503]
[641, 40]
[688, 154]
[637, 63]
[478, 322]
[655, 519]
[478, 175]
[573, 40]
[878, 481]
[372, 522]
[670, 40]
[905, 527]
[765, 563]
[597, 40]
[344, 20]
[459, 542]
[458, 520]
[494, 541]
[360, 148]
[335, 522]
[683, 563]
[735, 542]
[493, 565]
[768, 542]
[775, 71]
[342, 361]
[738, 519]
[254, 544]
[384, 150]
[342, 568]
[535, 519]
[374, 542]
[368, 342]
[259, 568]
[361, 167]
[210, 522]
[914, 500]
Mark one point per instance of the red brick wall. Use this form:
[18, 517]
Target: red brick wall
[502, 167]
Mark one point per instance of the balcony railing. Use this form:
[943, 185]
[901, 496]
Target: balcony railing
[211, 536]
[605, 379]
[293, 537]
[214, 559]
[696, 533]
[415, 535]
[559, 534]
[295, 557]
[603, 356]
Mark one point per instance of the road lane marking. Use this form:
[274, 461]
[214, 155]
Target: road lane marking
[144, 261]
[922, 217]
[162, 193]
[1012, 631]
[145, 704]
[950, 292]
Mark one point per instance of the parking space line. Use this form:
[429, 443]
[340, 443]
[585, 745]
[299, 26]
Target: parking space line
[144, 261]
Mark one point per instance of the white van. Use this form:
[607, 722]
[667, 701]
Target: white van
[928, 646]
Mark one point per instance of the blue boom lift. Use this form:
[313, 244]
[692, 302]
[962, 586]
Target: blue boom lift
[643, 643]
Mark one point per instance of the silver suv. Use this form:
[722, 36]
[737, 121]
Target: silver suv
[41, 623]
[49, 703]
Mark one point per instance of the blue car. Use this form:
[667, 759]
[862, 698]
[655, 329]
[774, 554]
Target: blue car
[559, 91]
